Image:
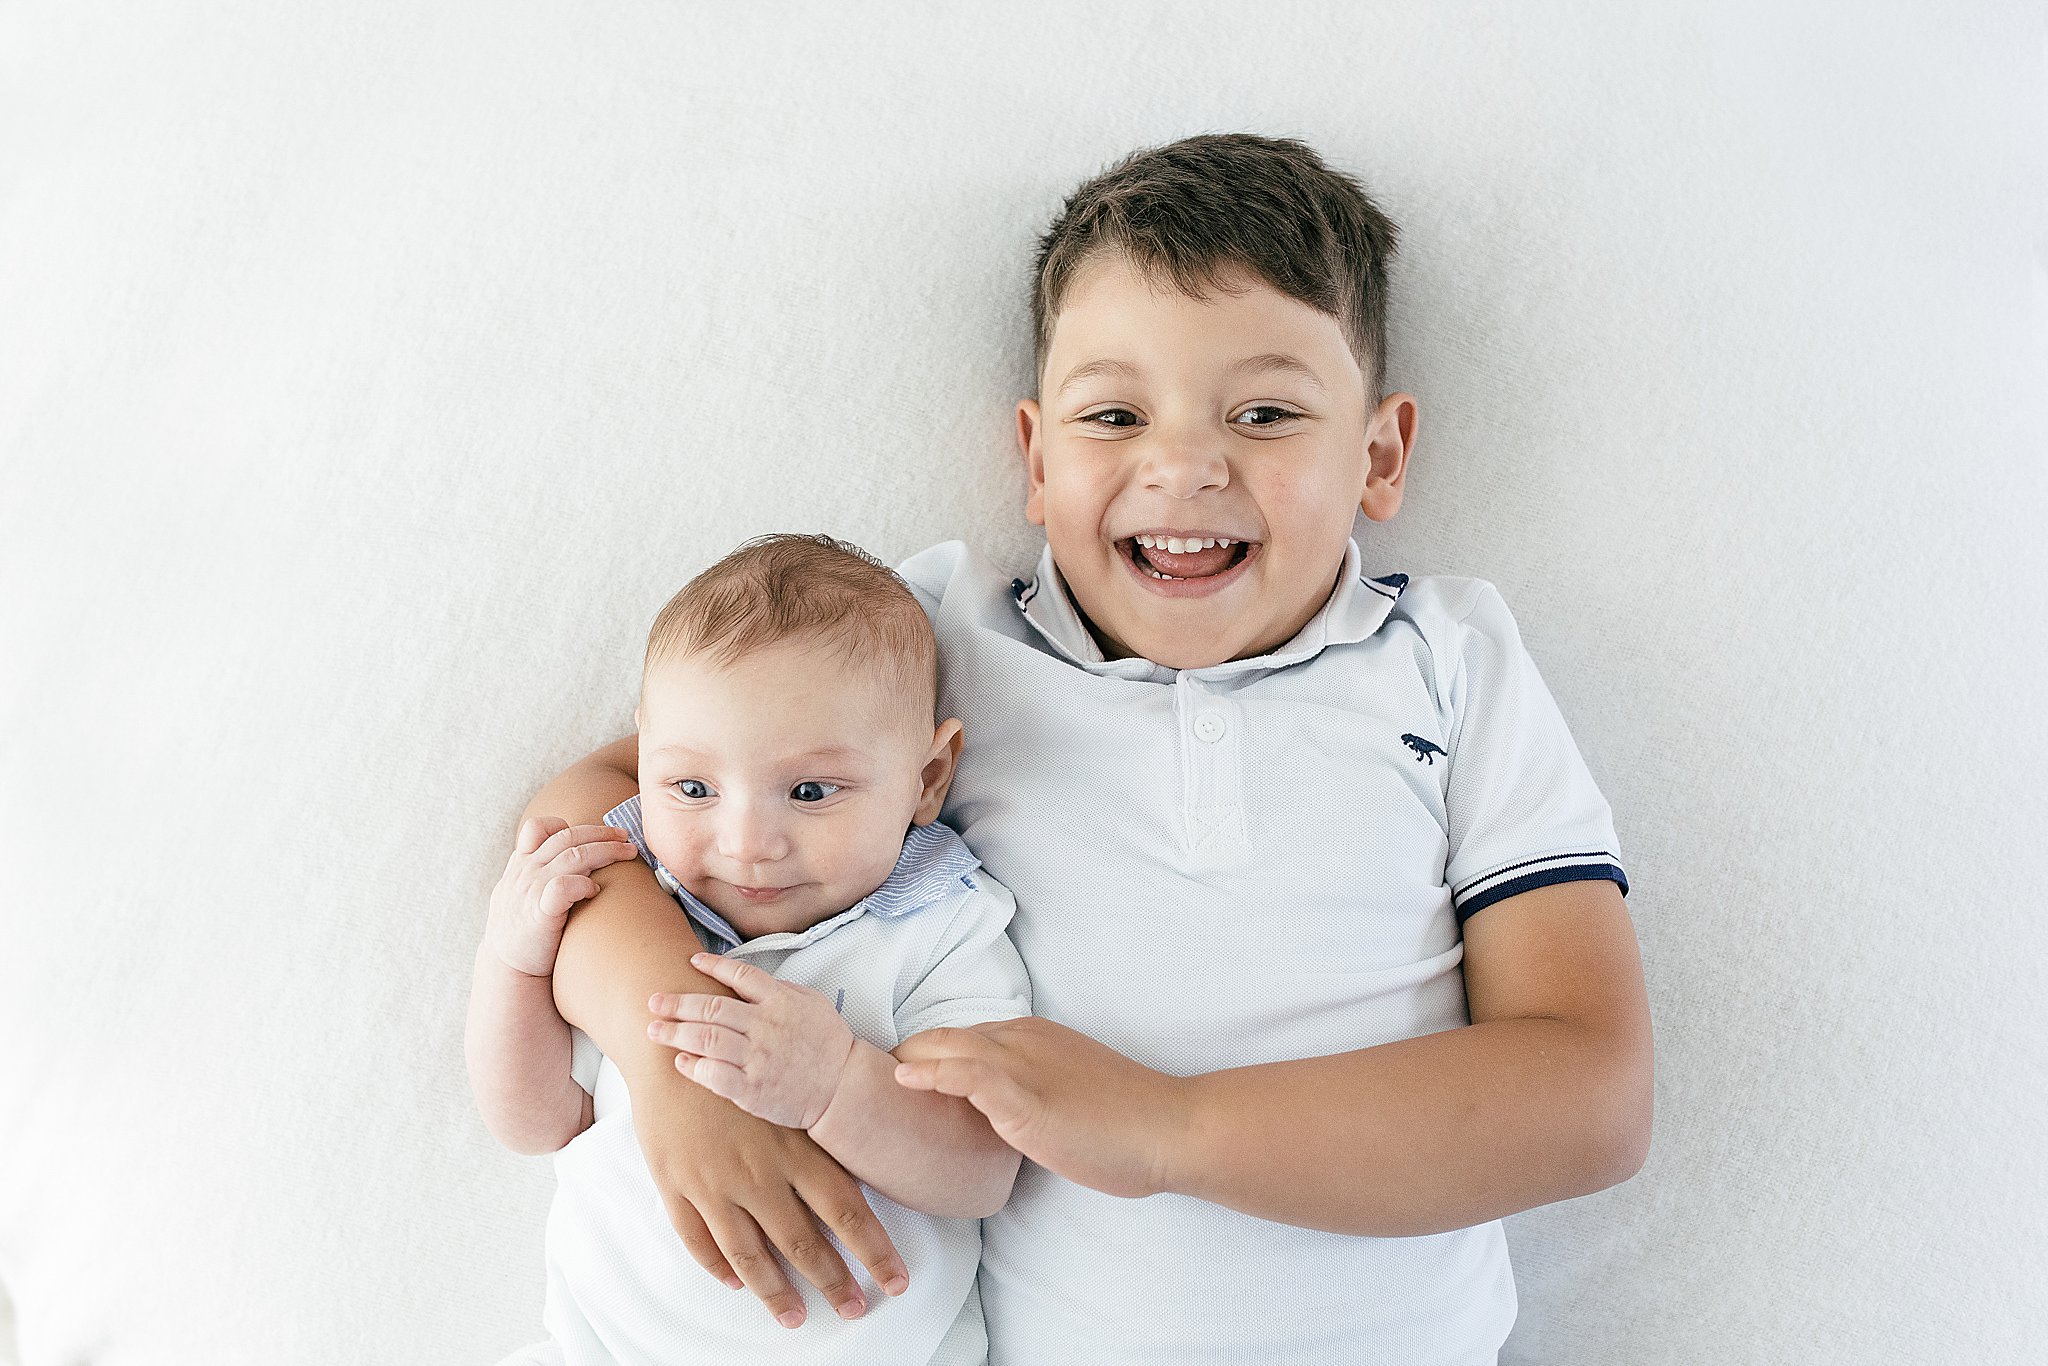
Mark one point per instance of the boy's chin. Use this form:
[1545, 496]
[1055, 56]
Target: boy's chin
[1180, 650]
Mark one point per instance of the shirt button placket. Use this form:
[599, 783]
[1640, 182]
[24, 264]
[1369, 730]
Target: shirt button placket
[1212, 811]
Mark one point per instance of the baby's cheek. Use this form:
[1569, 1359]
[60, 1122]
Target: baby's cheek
[670, 844]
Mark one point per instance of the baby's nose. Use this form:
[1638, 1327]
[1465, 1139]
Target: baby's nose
[752, 837]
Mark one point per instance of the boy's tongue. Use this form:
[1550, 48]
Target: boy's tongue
[1193, 564]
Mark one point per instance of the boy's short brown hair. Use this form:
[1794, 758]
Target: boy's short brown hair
[802, 587]
[1193, 207]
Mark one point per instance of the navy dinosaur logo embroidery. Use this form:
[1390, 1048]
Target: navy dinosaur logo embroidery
[1425, 752]
[1023, 592]
[1397, 582]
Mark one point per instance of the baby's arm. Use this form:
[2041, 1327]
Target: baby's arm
[783, 1053]
[516, 1042]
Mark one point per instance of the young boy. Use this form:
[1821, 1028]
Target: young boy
[1322, 910]
[786, 746]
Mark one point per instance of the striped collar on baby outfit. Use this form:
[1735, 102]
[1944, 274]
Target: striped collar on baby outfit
[935, 864]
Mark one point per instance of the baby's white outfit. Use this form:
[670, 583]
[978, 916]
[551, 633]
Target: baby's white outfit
[926, 949]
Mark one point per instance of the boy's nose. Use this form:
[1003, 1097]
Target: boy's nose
[1184, 465]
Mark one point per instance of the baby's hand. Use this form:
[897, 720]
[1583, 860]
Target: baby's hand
[545, 877]
[778, 1052]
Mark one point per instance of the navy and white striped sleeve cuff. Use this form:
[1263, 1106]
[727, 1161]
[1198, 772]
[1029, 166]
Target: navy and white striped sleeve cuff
[1586, 865]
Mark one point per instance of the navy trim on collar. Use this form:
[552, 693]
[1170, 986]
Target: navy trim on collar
[1357, 607]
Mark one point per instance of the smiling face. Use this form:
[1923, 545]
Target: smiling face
[1196, 463]
[778, 788]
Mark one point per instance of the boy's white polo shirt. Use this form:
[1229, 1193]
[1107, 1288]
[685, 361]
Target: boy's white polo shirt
[924, 950]
[1263, 860]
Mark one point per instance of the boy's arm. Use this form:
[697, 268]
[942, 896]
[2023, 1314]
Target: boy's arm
[737, 1189]
[1545, 1096]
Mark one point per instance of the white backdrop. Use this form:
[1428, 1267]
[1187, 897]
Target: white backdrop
[369, 373]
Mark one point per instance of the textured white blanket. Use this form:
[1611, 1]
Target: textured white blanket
[370, 372]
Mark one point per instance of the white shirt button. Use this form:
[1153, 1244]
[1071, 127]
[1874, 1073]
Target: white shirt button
[1209, 728]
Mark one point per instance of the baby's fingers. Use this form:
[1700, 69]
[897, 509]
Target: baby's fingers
[563, 892]
[564, 853]
[718, 1077]
[703, 1040]
[535, 829]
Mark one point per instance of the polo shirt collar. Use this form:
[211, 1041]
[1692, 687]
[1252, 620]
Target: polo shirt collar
[1356, 608]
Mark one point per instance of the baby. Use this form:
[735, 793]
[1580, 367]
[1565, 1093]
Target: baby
[790, 782]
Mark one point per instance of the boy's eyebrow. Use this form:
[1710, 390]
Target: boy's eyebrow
[1117, 369]
[1276, 360]
[1272, 360]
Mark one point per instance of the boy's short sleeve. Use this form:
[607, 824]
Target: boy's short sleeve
[972, 973]
[1523, 809]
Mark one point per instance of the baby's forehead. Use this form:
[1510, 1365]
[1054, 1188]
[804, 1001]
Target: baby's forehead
[794, 702]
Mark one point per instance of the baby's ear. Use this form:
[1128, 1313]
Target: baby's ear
[937, 775]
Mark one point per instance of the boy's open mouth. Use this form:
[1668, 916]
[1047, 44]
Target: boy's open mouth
[1174, 558]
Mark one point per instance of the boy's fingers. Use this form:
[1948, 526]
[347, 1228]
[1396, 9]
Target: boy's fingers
[793, 1230]
[837, 1202]
[987, 1088]
[697, 1239]
[933, 1044]
[746, 1252]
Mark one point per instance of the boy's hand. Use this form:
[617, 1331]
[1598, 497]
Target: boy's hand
[1068, 1103]
[778, 1052]
[546, 875]
[740, 1191]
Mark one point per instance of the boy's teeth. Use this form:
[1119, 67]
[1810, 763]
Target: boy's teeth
[1182, 545]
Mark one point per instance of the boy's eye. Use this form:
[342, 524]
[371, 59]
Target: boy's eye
[693, 788]
[813, 792]
[1124, 417]
[1273, 415]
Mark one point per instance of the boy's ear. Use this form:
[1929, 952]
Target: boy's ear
[1034, 461]
[1389, 437]
[938, 772]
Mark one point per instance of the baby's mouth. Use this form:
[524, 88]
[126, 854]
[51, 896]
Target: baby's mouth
[1197, 558]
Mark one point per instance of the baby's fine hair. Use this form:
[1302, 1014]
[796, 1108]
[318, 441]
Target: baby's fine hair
[1193, 208]
[788, 587]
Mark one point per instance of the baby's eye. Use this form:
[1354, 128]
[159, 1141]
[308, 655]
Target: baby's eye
[693, 788]
[1274, 415]
[813, 792]
[1102, 419]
